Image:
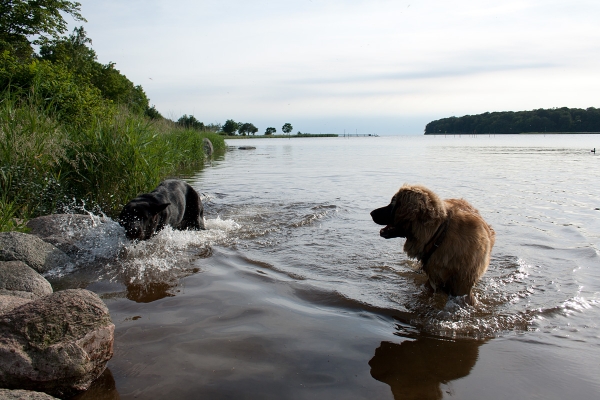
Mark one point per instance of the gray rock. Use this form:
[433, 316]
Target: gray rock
[33, 251]
[84, 238]
[17, 279]
[58, 344]
[6, 394]
[62, 230]
[208, 147]
[8, 303]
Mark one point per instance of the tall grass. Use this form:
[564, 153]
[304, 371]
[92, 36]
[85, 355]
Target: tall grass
[46, 165]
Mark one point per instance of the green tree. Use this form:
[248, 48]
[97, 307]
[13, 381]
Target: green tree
[116, 87]
[230, 127]
[247, 128]
[213, 127]
[152, 113]
[190, 122]
[22, 19]
[73, 52]
[270, 131]
[287, 128]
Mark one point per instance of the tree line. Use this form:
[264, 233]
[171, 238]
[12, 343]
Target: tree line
[567, 120]
[230, 127]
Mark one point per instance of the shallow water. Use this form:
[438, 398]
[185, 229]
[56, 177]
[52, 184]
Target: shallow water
[311, 295]
[304, 208]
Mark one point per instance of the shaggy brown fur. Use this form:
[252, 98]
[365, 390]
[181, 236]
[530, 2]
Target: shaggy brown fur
[449, 237]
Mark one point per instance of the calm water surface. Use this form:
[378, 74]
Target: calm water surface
[298, 211]
[303, 207]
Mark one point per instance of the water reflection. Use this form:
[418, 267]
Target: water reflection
[103, 388]
[149, 292]
[416, 369]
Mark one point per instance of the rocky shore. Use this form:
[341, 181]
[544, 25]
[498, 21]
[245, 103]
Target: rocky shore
[52, 342]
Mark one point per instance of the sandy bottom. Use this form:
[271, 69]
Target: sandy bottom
[235, 330]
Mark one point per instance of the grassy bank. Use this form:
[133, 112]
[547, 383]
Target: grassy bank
[47, 165]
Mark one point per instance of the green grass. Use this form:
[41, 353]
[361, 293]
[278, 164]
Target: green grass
[46, 165]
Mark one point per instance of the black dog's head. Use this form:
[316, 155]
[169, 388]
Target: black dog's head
[140, 218]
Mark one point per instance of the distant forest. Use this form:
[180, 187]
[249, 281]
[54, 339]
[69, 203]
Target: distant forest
[568, 120]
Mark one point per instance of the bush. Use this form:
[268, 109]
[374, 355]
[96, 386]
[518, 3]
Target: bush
[47, 163]
[73, 102]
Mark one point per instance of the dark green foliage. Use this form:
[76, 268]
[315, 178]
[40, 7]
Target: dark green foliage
[117, 88]
[74, 54]
[55, 86]
[21, 19]
[152, 113]
[563, 119]
[190, 122]
[287, 128]
[230, 127]
[270, 131]
[247, 128]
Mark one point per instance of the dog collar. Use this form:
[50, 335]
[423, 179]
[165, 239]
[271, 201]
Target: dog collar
[435, 241]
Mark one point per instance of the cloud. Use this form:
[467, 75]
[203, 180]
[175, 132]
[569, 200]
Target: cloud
[313, 59]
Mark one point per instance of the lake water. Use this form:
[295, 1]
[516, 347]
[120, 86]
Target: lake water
[291, 293]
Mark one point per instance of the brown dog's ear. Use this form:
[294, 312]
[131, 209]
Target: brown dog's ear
[432, 207]
[419, 203]
[409, 204]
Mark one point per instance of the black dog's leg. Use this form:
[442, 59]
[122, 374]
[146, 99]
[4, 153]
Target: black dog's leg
[193, 217]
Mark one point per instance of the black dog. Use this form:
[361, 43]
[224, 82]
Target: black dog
[173, 203]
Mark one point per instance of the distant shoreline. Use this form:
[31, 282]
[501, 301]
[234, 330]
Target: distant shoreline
[304, 135]
[281, 136]
[508, 134]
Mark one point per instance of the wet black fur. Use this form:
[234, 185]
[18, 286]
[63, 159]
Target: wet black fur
[173, 203]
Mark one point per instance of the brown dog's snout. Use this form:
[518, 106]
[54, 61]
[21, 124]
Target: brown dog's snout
[382, 216]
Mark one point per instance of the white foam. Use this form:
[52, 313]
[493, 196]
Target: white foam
[103, 242]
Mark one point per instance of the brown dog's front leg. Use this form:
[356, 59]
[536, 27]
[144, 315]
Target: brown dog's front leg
[430, 287]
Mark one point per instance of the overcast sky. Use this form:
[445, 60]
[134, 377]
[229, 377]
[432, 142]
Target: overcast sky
[376, 66]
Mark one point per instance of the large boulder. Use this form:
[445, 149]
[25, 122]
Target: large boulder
[6, 394]
[62, 230]
[208, 147]
[85, 238]
[33, 251]
[18, 279]
[58, 344]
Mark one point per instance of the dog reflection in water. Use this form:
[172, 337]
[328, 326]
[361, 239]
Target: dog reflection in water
[415, 369]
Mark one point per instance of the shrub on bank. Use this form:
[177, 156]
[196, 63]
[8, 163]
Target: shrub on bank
[49, 162]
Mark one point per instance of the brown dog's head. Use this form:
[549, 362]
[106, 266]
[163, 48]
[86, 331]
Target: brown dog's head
[411, 212]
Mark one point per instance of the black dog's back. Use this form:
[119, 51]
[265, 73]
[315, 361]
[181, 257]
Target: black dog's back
[173, 202]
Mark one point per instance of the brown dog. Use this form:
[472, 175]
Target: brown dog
[449, 237]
